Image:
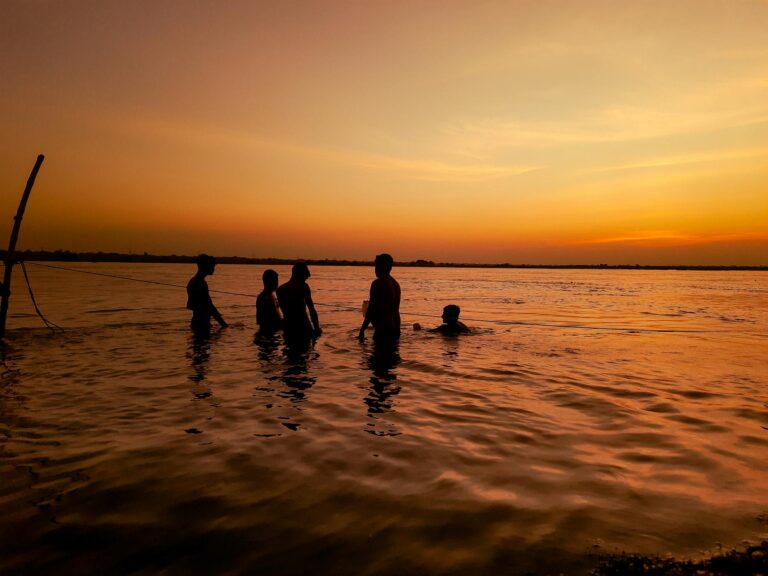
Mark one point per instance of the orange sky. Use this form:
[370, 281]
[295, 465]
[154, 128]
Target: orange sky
[483, 131]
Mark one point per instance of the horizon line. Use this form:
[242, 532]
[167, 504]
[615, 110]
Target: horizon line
[61, 255]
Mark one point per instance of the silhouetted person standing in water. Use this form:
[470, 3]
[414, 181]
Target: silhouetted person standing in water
[198, 298]
[295, 298]
[267, 311]
[384, 304]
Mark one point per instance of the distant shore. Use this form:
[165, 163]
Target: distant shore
[68, 256]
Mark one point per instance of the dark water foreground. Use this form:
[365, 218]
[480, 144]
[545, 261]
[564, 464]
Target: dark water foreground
[753, 560]
[608, 416]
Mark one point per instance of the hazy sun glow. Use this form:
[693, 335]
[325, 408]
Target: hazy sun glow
[500, 131]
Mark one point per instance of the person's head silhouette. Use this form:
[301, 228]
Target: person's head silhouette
[300, 271]
[451, 314]
[383, 264]
[270, 280]
[205, 264]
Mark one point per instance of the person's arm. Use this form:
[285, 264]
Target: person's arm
[217, 316]
[280, 321]
[368, 311]
[312, 312]
[279, 296]
[214, 311]
[276, 304]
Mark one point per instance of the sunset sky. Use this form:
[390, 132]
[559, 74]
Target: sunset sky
[476, 131]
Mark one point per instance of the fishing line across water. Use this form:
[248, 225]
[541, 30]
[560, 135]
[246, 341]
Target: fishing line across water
[343, 308]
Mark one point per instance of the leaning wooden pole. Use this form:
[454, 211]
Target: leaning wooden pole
[10, 257]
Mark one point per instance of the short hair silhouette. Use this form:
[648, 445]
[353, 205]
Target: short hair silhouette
[451, 312]
[269, 277]
[199, 298]
[205, 261]
[384, 262]
[300, 270]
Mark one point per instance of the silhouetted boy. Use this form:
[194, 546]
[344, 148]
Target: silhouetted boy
[451, 324]
[3, 290]
[267, 311]
[384, 304]
[198, 298]
[294, 298]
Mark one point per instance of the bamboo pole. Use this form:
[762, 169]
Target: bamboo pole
[10, 255]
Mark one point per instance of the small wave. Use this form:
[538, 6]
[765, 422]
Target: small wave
[736, 319]
[113, 310]
[666, 314]
[698, 423]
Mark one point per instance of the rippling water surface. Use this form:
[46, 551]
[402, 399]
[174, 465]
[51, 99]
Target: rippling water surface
[591, 411]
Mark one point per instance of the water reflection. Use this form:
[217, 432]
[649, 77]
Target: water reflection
[4, 368]
[8, 378]
[383, 386]
[287, 368]
[295, 374]
[268, 347]
[451, 343]
[199, 353]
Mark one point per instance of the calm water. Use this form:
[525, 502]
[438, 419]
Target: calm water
[598, 411]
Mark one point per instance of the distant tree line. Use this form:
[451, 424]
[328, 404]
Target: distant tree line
[69, 256]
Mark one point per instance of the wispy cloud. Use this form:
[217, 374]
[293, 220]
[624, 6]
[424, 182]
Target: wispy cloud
[684, 159]
[640, 236]
[393, 166]
[611, 125]
[672, 237]
[436, 171]
[706, 107]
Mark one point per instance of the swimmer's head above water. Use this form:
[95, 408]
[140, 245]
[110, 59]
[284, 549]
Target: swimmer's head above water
[451, 313]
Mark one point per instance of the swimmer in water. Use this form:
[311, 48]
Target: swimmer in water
[451, 324]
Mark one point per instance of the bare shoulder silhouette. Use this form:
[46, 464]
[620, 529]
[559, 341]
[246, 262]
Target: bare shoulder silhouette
[384, 302]
[300, 320]
[268, 315]
[199, 299]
